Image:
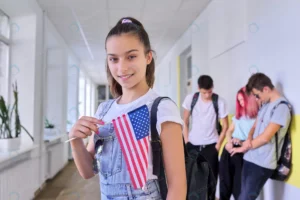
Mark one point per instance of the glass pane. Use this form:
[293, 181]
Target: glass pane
[81, 97]
[3, 68]
[110, 94]
[4, 25]
[101, 92]
[88, 99]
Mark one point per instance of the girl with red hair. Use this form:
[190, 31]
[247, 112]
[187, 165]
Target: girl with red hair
[231, 166]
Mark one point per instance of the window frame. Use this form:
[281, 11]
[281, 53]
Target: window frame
[7, 41]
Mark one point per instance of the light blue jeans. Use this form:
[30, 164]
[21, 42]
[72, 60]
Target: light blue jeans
[127, 192]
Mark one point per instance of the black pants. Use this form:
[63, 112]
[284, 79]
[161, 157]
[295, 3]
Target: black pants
[230, 175]
[210, 153]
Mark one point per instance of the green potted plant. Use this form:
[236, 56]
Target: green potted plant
[10, 124]
[48, 124]
[49, 130]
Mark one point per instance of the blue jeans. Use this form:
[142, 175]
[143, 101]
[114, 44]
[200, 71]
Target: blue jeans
[127, 192]
[253, 179]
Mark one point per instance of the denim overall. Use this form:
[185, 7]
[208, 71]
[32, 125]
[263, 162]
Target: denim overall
[109, 163]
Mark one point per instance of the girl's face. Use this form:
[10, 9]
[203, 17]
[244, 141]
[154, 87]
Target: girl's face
[126, 60]
[241, 100]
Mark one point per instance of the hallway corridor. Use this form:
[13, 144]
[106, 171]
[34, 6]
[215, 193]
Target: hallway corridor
[58, 66]
[68, 185]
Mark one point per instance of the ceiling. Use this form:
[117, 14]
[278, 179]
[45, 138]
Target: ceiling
[84, 25]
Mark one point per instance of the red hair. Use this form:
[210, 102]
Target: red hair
[250, 108]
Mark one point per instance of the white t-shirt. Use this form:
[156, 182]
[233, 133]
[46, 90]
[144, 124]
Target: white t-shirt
[167, 111]
[203, 123]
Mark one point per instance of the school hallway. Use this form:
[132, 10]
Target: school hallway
[53, 71]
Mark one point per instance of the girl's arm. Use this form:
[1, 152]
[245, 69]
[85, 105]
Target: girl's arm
[229, 132]
[224, 122]
[173, 155]
[83, 156]
[229, 145]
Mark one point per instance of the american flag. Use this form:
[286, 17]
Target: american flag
[132, 130]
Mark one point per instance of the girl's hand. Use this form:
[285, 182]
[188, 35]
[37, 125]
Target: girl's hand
[229, 146]
[84, 127]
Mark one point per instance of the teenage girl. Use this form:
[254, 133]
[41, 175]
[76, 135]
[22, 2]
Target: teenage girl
[231, 166]
[130, 70]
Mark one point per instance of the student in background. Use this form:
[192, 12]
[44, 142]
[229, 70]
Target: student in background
[260, 159]
[205, 109]
[231, 166]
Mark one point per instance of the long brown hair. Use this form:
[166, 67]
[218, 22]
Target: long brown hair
[129, 25]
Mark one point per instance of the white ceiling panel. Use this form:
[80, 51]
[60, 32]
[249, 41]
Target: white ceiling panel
[162, 5]
[125, 5]
[164, 20]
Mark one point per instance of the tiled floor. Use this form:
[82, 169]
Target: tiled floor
[69, 185]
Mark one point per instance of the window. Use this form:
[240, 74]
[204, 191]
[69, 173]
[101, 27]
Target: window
[82, 98]
[4, 24]
[110, 95]
[3, 68]
[4, 53]
[88, 99]
[101, 92]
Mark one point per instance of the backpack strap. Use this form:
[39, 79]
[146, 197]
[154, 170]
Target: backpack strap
[194, 101]
[157, 154]
[215, 99]
[276, 134]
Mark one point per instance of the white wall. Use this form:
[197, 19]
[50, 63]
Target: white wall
[232, 39]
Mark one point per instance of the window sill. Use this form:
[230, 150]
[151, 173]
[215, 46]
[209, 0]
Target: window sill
[54, 139]
[9, 159]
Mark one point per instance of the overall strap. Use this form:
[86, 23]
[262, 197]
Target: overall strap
[106, 106]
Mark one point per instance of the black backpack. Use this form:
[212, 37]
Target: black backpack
[284, 163]
[199, 174]
[215, 98]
